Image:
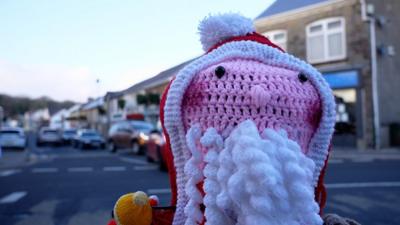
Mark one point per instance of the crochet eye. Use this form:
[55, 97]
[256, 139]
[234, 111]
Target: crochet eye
[220, 71]
[302, 77]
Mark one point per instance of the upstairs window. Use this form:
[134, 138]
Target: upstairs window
[326, 40]
[278, 37]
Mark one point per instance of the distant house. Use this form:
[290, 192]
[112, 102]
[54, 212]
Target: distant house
[95, 113]
[115, 111]
[58, 120]
[141, 98]
[337, 36]
[36, 119]
[75, 117]
[78, 116]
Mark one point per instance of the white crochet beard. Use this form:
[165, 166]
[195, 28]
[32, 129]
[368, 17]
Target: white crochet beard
[249, 179]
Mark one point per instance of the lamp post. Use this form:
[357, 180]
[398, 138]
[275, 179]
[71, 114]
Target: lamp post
[1, 116]
[367, 11]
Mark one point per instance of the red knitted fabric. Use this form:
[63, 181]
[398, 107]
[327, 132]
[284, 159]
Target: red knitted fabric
[320, 190]
[112, 222]
[163, 215]
[249, 37]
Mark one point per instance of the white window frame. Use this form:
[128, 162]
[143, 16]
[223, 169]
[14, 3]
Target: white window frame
[325, 32]
[270, 35]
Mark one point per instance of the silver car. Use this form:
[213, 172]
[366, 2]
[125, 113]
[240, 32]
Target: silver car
[12, 138]
[68, 135]
[48, 136]
[89, 138]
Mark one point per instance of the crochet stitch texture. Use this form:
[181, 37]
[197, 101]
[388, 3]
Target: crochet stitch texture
[272, 97]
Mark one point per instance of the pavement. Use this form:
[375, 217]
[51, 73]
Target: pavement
[66, 186]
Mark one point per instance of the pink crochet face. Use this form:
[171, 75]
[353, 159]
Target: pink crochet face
[272, 97]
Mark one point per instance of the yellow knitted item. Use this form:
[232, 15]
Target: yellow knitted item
[133, 209]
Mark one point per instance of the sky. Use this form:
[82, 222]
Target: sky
[72, 50]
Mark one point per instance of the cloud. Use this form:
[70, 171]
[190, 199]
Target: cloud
[55, 81]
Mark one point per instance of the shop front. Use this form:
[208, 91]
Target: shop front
[346, 88]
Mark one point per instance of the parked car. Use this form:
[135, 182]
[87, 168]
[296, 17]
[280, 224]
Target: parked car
[48, 135]
[154, 149]
[68, 135]
[12, 138]
[129, 134]
[89, 138]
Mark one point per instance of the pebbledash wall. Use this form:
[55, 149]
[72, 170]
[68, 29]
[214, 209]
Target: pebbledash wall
[388, 34]
[350, 77]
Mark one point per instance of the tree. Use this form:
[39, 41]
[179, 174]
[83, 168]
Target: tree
[15, 106]
[101, 110]
[141, 99]
[146, 99]
[121, 103]
[153, 98]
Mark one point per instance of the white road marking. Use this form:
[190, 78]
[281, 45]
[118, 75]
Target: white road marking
[80, 169]
[134, 161]
[158, 191]
[8, 172]
[143, 168]
[362, 160]
[335, 161]
[82, 155]
[362, 185]
[44, 170]
[114, 168]
[44, 157]
[373, 156]
[13, 197]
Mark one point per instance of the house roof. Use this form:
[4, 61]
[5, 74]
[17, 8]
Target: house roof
[153, 81]
[94, 103]
[74, 108]
[112, 95]
[157, 79]
[281, 6]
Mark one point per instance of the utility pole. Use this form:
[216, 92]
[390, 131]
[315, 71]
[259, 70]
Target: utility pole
[1, 116]
[374, 71]
[367, 11]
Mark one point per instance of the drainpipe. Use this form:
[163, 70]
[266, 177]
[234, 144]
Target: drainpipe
[375, 98]
[363, 10]
[374, 73]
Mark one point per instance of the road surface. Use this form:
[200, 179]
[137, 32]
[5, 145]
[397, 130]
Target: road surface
[66, 186]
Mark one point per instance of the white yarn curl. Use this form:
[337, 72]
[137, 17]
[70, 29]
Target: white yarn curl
[250, 179]
[214, 143]
[272, 182]
[193, 171]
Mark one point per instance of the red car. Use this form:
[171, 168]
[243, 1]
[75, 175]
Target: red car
[155, 149]
[129, 134]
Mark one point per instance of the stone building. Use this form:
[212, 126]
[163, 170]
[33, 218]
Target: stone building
[337, 36]
[95, 114]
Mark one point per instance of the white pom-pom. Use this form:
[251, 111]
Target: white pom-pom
[217, 28]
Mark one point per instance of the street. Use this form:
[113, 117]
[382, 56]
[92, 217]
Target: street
[66, 186]
[367, 190]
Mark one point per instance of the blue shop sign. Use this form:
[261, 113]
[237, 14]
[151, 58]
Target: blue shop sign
[342, 79]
